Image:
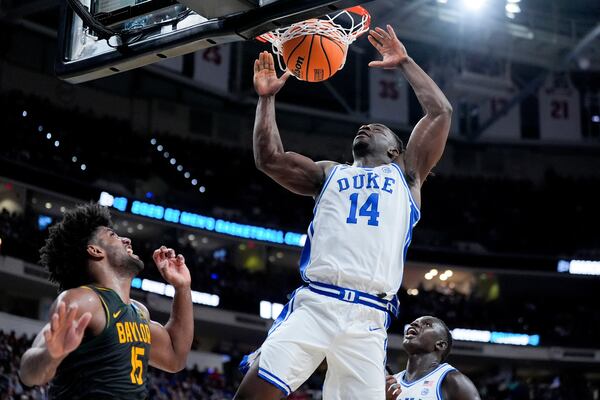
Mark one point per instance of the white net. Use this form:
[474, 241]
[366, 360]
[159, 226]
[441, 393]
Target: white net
[344, 27]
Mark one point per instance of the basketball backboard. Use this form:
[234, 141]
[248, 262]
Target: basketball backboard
[99, 38]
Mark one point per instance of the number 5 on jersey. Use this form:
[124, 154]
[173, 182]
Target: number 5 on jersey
[137, 365]
[368, 209]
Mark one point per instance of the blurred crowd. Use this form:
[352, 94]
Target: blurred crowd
[193, 384]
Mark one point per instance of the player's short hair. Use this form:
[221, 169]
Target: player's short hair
[448, 348]
[65, 252]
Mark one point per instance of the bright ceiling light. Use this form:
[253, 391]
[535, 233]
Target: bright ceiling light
[473, 5]
[513, 8]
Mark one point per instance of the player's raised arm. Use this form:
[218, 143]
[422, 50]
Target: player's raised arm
[172, 343]
[70, 314]
[293, 171]
[428, 138]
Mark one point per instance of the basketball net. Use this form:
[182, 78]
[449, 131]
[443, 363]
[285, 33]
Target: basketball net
[329, 25]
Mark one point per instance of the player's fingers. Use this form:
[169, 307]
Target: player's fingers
[391, 32]
[61, 311]
[83, 322]
[375, 42]
[54, 323]
[376, 35]
[271, 62]
[48, 335]
[171, 253]
[384, 35]
[71, 313]
[256, 66]
[376, 64]
[180, 259]
[263, 60]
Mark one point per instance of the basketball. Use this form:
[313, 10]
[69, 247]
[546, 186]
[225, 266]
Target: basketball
[314, 58]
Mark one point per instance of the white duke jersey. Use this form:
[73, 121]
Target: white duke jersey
[428, 387]
[361, 230]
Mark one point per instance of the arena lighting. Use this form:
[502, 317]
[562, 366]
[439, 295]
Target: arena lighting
[48, 136]
[595, 118]
[152, 141]
[579, 267]
[449, 273]
[433, 272]
[473, 5]
[481, 336]
[512, 8]
[159, 147]
[24, 113]
[513, 1]
[270, 310]
[203, 222]
[108, 200]
[163, 289]
[428, 276]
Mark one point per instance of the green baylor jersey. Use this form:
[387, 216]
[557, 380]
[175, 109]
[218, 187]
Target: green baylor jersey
[111, 365]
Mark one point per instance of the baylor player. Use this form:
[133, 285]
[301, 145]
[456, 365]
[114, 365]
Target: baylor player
[99, 342]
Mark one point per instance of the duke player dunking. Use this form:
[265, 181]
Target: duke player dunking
[353, 259]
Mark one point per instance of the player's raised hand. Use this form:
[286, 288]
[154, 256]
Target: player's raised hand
[172, 267]
[64, 332]
[388, 45]
[266, 82]
[392, 388]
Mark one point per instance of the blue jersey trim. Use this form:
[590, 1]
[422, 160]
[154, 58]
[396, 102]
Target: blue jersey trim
[412, 200]
[285, 312]
[438, 390]
[318, 198]
[407, 384]
[274, 380]
[305, 255]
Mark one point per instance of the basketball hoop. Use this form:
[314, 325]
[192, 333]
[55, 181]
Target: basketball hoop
[344, 27]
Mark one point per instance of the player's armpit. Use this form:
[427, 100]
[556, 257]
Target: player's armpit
[457, 386]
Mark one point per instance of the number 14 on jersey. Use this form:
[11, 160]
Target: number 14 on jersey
[368, 209]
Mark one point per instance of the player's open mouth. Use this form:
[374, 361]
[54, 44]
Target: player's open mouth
[411, 332]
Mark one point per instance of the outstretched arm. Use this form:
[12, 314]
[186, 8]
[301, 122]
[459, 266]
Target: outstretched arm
[70, 314]
[172, 343]
[293, 171]
[457, 386]
[428, 138]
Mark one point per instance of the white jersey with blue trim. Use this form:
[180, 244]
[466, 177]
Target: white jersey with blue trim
[361, 230]
[428, 387]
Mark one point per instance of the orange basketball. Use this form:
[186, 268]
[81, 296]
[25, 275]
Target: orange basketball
[314, 58]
